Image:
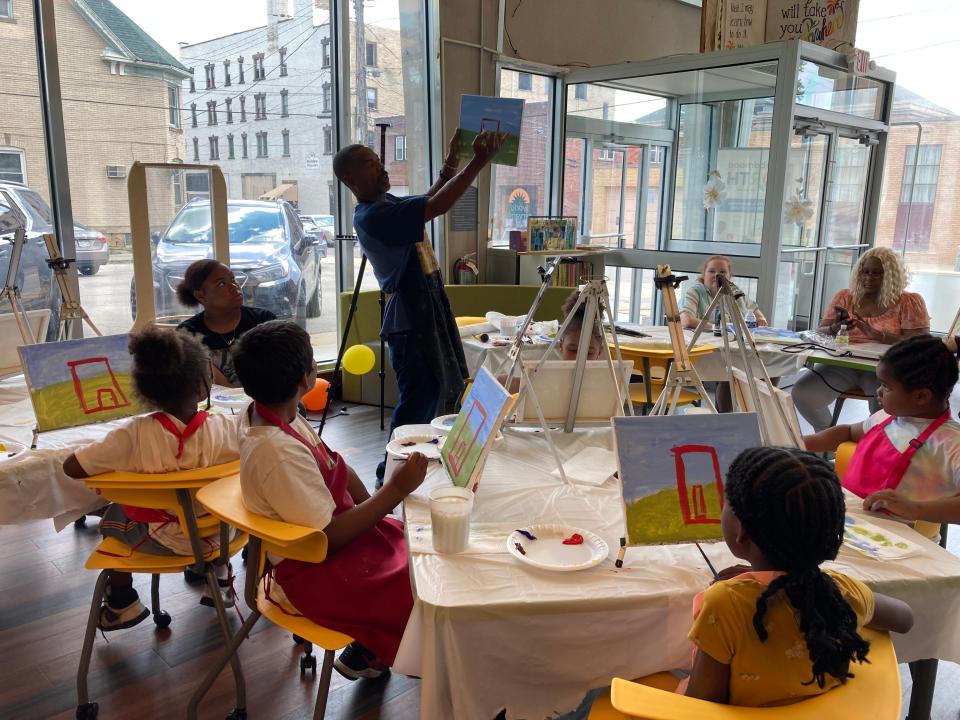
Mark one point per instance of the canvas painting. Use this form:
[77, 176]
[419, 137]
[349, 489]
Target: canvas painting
[672, 470]
[494, 114]
[474, 430]
[79, 382]
[777, 409]
[552, 233]
[875, 542]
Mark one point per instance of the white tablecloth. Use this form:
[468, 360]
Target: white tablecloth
[710, 367]
[489, 632]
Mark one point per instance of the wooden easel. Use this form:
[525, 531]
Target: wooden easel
[70, 308]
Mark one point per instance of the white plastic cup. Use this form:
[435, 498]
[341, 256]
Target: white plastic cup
[508, 326]
[450, 509]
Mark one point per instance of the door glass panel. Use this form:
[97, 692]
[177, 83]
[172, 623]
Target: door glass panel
[796, 281]
[848, 191]
[606, 196]
[573, 153]
[653, 190]
[840, 91]
[807, 164]
[633, 158]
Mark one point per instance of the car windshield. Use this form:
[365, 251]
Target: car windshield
[247, 224]
[39, 212]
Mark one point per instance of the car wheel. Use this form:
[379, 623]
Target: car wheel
[315, 306]
[88, 270]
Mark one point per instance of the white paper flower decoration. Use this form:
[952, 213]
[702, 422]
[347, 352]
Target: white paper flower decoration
[798, 210]
[714, 191]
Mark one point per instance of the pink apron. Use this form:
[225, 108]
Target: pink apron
[878, 465]
[362, 589]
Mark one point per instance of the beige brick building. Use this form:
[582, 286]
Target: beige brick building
[121, 103]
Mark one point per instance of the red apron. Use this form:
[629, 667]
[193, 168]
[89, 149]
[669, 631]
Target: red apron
[362, 589]
[146, 515]
[878, 465]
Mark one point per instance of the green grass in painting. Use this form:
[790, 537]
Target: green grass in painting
[508, 154]
[57, 405]
[657, 519]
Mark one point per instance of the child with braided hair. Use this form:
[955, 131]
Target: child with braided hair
[780, 629]
[907, 460]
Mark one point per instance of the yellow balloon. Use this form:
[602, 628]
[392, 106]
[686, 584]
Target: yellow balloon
[358, 360]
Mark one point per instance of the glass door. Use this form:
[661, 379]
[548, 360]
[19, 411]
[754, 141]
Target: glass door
[828, 174]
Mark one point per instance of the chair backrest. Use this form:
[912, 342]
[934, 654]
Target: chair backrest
[844, 454]
[873, 692]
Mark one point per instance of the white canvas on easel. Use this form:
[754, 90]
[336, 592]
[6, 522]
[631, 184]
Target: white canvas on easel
[776, 406]
[39, 321]
[552, 382]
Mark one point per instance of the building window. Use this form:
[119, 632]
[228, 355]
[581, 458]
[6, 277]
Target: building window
[327, 140]
[325, 52]
[262, 145]
[212, 112]
[371, 49]
[580, 91]
[6, 9]
[371, 98]
[258, 72]
[178, 198]
[229, 106]
[260, 106]
[286, 143]
[214, 147]
[211, 79]
[524, 81]
[196, 149]
[226, 72]
[230, 154]
[371, 140]
[193, 114]
[173, 98]
[656, 154]
[240, 70]
[283, 61]
[284, 103]
[193, 84]
[11, 166]
[243, 146]
[918, 197]
[400, 147]
[606, 111]
[327, 97]
[243, 108]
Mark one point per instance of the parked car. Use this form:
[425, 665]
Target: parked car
[38, 288]
[93, 251]
[275, 261]
[323, 225]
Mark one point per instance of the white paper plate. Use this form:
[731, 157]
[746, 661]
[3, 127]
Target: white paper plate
[444, 423]
[428, 445]
[230, 398]
[10, 450]
[548, 552]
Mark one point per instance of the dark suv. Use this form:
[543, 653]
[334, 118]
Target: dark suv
[38, 289]
[276, 263]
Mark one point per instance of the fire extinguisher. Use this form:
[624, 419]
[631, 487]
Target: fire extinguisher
[466, 270]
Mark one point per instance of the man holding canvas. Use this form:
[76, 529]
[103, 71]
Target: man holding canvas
[418, 325]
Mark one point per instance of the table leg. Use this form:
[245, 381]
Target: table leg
[924, 674]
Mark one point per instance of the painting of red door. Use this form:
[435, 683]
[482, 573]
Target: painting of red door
[693, 504]
[96, 386]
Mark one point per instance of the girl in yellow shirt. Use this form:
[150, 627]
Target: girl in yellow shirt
[779, 629]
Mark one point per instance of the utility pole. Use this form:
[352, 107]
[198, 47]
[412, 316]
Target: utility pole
[360, 53]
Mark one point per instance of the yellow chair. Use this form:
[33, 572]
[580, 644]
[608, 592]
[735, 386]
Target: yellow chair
[464, 320]
[223, 500]
[873, 693]
[652, 362]
[174, 492]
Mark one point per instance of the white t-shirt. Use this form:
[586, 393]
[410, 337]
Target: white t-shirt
[934, 470]
[144, 446]
[279, 476]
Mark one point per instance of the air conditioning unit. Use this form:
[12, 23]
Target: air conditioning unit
[116, 171]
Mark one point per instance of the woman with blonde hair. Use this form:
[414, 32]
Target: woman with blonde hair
[697, 298]
[876, 308]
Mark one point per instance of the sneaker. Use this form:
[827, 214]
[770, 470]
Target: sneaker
[122, 618]
[357, 662]
[226, 594]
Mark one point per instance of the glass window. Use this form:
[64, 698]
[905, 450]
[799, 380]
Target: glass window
[229, 107]
[11, 166]
[173, 103]
[286, 142]
[243, 145]
[325, 52]
[518, 192]
[918, 197]
[524, 81]
[284, 103]
[193, 84]
[226, 72]
[212, 112]
[6, 9]
[838, 90]
[243, 108]
[371, 54]
[327, 98]
[230, 152]
[240, 79]
[196, 149]
[328, 140]
[400, 147]
[371, 98]
[193, 114]
[211, 79]
[214, 147]
[283, 61]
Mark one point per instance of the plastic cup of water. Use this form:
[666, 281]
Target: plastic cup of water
[508, 326]
[450, 509]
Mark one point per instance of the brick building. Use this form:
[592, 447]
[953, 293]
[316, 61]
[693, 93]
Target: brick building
[121, 102]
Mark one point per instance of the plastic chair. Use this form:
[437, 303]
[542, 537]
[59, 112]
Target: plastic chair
[223, 499]
[173, 492]
[873, 693]
[464, 320]
[654, 363]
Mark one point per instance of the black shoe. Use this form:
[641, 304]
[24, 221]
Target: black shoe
[357, 662]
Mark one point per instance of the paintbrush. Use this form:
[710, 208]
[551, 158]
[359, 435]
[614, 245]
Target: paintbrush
[716, 575]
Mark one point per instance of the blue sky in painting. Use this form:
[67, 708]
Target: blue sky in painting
[644, 443]
[46, 363]
[507, 110]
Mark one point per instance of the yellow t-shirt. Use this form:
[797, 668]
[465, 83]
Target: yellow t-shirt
[770, 672]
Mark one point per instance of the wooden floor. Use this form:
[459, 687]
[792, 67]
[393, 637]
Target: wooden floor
[140, 674]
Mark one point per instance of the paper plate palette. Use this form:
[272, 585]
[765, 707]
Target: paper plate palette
[229, 398]
[428, 445]
[548, 552]
[10, 450]
[444, 423]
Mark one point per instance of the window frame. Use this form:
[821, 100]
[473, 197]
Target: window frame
[284, 103]
[210, 72]
[240, 79]
[285, 134]
[372, 106]
[173, 106]
[282, 53]
[211, 112]
[231, 155]
[400, 148]
[8, 16]
[525, 81]
[196, 149]
[226, 72]
[21, 155]
[214, 147]
[367, 47]
[193, 115]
